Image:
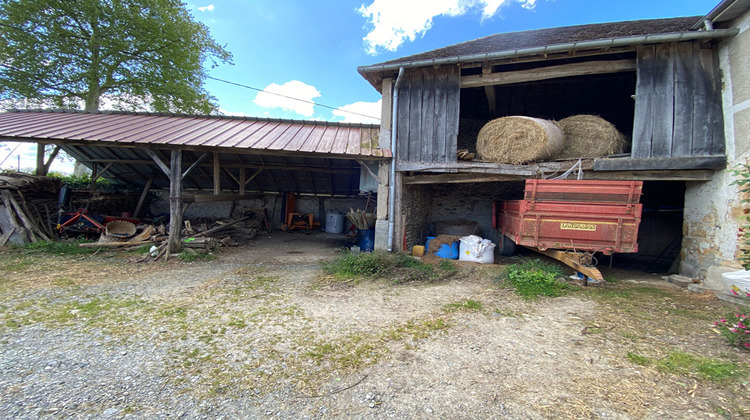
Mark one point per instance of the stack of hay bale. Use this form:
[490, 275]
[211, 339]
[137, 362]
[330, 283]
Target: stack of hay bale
[517, 140]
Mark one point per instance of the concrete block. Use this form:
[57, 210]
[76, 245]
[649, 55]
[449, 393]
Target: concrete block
[696, 288]
[681, 281]
[381, 235]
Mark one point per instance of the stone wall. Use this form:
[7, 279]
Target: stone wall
[713, 211]
[473, 202]
[417, 205]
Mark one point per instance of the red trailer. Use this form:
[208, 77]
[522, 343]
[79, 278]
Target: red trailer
[571, 220]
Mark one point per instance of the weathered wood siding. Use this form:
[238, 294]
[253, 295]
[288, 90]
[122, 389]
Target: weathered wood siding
[428, 106]
[678, 102]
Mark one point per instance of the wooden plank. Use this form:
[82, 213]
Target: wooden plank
[663, 102]
[546, 167]
[242, 181]
[440, 120]
[644, 94]
[427, 137]
[415, 111]
[682, 138]
[549, 72]
[453, 105]
[670, 163]
[402, 123]
[708, 129]
[210, 198]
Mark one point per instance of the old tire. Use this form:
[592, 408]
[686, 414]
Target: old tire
[507, 247]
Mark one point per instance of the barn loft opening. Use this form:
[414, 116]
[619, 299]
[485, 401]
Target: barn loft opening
[608, 95]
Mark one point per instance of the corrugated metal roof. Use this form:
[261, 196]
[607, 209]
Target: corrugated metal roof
[241, 134]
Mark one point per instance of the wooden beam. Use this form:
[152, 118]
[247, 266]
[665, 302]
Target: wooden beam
[666, 163]
[457, 178]
[99, 174]
[158, 161]
[550, 72]
[194, 165]
[175, 202]
[686, 175]
[231, 165]
[242, 182]
[210, 198]
[490, 168]
[143, 195]
[231, 175]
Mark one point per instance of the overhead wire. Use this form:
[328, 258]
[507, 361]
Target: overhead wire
[291, 97]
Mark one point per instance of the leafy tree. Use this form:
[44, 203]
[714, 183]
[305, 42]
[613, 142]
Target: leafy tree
[71, 52]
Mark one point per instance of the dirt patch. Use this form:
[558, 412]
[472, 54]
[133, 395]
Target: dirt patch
[255, 333]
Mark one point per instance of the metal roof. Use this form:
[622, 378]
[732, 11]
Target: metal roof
[217, 133]
[532, 40]
[305, 157]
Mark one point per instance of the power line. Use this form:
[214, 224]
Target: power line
[291, 97]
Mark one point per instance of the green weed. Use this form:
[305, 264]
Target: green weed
[59, 247]
[399, 267]
[685, 364]
[464, 305]
[534, 278]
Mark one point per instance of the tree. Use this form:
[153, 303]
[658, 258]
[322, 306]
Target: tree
[135, 51]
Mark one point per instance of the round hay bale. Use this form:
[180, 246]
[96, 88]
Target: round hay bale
[119, 229]
[518, 140]
[588, 136]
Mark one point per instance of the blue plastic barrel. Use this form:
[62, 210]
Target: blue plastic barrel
[366, 240]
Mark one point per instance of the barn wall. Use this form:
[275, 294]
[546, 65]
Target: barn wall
[678, 102]
[713, 211]
[428, 107]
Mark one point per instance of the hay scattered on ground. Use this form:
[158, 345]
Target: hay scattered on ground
[516, 140]
[587, 136]
[441, 240]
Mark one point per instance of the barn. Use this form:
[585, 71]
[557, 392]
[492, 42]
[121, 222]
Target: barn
[677, 88]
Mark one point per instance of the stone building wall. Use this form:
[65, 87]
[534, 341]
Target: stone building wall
[713, 211]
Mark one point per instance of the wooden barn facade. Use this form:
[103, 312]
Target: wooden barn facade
[658, 81]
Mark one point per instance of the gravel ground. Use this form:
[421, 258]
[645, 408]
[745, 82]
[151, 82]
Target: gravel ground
[261, 333]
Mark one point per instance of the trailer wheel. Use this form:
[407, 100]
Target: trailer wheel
[507, 247]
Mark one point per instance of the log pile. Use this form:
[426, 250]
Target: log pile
[27, 202]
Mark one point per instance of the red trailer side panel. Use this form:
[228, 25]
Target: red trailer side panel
[596, 227]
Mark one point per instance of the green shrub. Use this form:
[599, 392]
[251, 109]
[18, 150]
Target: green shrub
[535, 278]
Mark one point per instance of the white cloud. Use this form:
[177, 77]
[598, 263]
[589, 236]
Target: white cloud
[397, 21]
[289, 90]
[371, 109]
[209, 8]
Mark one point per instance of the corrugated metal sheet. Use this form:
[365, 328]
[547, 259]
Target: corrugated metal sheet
[253, 135]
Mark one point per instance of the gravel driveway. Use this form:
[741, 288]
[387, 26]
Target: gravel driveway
[263, 334]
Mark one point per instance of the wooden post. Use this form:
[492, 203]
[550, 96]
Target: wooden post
[93, 178]
[40, 159]
[175, 201]
[242, 181]
[217, 174]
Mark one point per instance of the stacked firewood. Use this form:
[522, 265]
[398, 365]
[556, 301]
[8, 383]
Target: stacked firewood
[27, 203]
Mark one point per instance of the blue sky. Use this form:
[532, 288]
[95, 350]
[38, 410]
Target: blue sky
[317, 45]
[311, 49]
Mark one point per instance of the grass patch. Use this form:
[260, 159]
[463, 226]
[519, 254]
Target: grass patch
[534, 278]
[685, 364]
[187, 256]
[59, 248]
[463, 305]
[399, 267]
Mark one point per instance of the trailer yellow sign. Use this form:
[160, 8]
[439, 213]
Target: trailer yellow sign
[590, 227]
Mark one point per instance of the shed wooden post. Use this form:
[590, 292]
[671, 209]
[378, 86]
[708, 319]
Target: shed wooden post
[175, 201]
[217, 174]
[242, 182]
